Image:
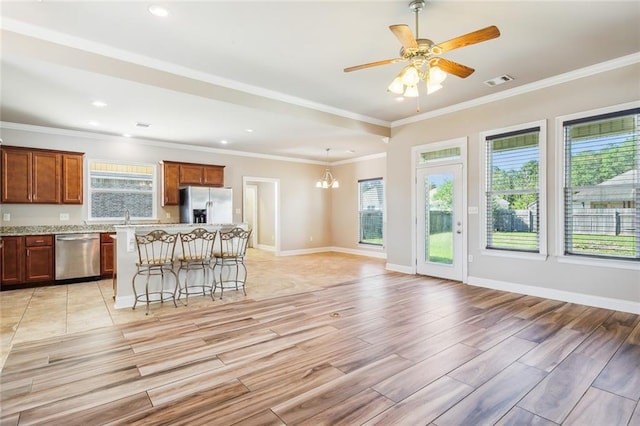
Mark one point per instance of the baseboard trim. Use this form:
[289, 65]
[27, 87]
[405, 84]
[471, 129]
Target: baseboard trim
[368, 253]
[400, 268]
[266, 247]
[564, 296]
[379, 255]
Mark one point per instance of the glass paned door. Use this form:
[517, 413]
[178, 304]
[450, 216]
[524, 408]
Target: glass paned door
[440, 231]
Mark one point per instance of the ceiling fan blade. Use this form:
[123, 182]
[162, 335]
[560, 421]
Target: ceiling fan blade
[373, 64]
[452, 67]
[466, 40]
[403, 33]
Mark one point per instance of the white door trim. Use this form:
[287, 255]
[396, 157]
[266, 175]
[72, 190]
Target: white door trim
[276, 191]
[435, 146]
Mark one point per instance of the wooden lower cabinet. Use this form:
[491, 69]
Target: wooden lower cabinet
[12, 260]
[106, 254]
[27, 260]
[39, 258]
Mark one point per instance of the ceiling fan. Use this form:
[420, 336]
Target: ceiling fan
[423, 57]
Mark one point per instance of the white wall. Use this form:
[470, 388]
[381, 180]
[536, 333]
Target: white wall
[596, 281]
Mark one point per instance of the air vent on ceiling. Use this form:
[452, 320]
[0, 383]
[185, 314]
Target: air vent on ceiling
[145, 125]
[498, 80]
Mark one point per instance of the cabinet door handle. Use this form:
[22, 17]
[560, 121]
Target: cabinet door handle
[28, 252]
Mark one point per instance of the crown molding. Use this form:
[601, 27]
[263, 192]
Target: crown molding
[172, 145]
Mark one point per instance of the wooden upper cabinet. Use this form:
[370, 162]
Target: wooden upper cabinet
[175, 175]
[191, 174]
[170, 184]
[47, 167]
[42, 176]
[213, 175]
[72, 178]
[17, 175]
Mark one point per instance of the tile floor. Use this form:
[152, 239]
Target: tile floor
[43, 312]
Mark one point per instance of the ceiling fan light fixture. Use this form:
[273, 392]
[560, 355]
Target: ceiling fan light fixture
[410, 76]
[436, 75]
[396, 86]
[411, 92]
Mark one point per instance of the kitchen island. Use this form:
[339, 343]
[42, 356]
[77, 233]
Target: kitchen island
[127, 255]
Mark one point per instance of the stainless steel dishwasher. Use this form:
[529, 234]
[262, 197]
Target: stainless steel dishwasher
[77, 256]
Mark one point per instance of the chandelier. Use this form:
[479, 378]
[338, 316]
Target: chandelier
[327, 180]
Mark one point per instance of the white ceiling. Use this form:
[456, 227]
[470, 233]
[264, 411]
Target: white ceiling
[212, 69]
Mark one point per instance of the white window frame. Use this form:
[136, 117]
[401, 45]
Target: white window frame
[154, 192]
[384, 215]
[559, 185]
[542, 191]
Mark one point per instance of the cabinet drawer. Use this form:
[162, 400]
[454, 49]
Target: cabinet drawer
[38, 240]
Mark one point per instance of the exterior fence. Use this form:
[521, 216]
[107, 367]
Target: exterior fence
[440, 221]
[604, 221]
[370, 225]
[515, 221]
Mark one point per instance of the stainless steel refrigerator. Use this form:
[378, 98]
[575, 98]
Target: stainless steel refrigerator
[201, 204]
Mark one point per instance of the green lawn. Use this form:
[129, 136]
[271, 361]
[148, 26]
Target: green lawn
[440, 245]
[440, 248]
[621, 245]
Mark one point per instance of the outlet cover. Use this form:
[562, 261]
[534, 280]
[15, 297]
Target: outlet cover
[6, 217]
[64, 216]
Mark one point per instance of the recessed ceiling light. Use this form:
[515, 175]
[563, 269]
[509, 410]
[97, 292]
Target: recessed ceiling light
[399, 99]
[350, 151]
[126, 135]
[99, 104]
[93, 123]
[159, 11]
[224, 142]
[248, 130]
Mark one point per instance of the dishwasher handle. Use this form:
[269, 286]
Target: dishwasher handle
[65, 238]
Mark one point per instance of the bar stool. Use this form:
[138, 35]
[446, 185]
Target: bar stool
[155, 258]
[197, 254]
[232, 250]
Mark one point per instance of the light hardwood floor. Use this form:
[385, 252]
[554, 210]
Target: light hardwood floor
[367, 347]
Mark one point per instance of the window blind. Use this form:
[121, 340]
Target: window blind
[602, 186]
[371, 210]
[512, 190]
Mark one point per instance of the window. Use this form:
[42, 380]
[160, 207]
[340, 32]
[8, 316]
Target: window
[445, 154]
[602, 185]
[115, 188]
[514, 174]
[371, 208]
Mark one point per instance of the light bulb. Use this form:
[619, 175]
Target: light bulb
[319, 184]
[411, 92]
[436, 75]
[396, 86]
[410, 76]
[335, 184]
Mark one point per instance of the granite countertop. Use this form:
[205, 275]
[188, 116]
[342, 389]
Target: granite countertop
[54, 229]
